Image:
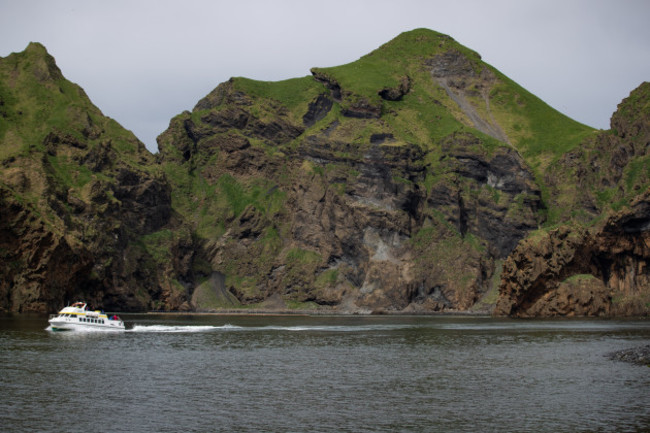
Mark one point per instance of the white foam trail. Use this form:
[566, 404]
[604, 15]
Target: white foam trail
[329, 328]
[177, 329]
[228, 327]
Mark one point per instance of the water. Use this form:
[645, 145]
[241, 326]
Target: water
[324, 374]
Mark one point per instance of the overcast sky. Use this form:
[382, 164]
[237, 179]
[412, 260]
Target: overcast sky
[143, 62]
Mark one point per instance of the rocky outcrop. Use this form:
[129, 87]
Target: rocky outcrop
[355, 105]
[636, 355]
[461, 79]
[82, 202]
[581, 272]
[398, 92]
[599, 271]
[492, 196]
[39, 267]
[607, 168]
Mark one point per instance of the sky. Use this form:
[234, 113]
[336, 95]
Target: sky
[144, 61]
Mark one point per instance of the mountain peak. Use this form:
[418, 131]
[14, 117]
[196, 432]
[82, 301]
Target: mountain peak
[36, 60]
[36, 48]
[421, 43]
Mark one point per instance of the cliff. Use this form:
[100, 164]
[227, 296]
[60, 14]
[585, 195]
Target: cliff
[394, 183]
[415, 179]
[599, 268]
[79, 198]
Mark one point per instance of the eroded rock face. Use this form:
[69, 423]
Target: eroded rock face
[39, 266]
[459, 77]
[82, 203]
[593, 175]
[572, 272]
[499, 181]
[358, 231]
[600, 271]
[91, 254]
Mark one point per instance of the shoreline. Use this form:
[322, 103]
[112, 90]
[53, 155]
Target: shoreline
[264, 312]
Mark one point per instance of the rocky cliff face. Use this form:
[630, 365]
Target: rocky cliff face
[581, 272]
[601, 270]
[415, 179]
[336, 207]
[78, 197]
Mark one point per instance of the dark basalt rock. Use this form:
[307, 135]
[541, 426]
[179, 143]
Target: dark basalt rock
[396, 93]
[318, 109]
[636, 355]
[535, 273]
[614, 254]
[362, 109]
[331, 84]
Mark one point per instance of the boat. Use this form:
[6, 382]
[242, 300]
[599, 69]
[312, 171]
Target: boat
[79, 317]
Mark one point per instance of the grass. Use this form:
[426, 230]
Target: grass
[40, 100]
[388, 64]
[535, 127]
[293, 94]
[298, 256]
[577, 278]
[327, 278]
[262, 194]
[637, 174]
[157, 244]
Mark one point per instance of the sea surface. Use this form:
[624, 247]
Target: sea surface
[209, 373]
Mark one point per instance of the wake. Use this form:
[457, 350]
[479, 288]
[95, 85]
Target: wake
[226, 328]
[179, 329]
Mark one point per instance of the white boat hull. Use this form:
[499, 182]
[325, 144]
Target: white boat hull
[62, 325]
[78, 317]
